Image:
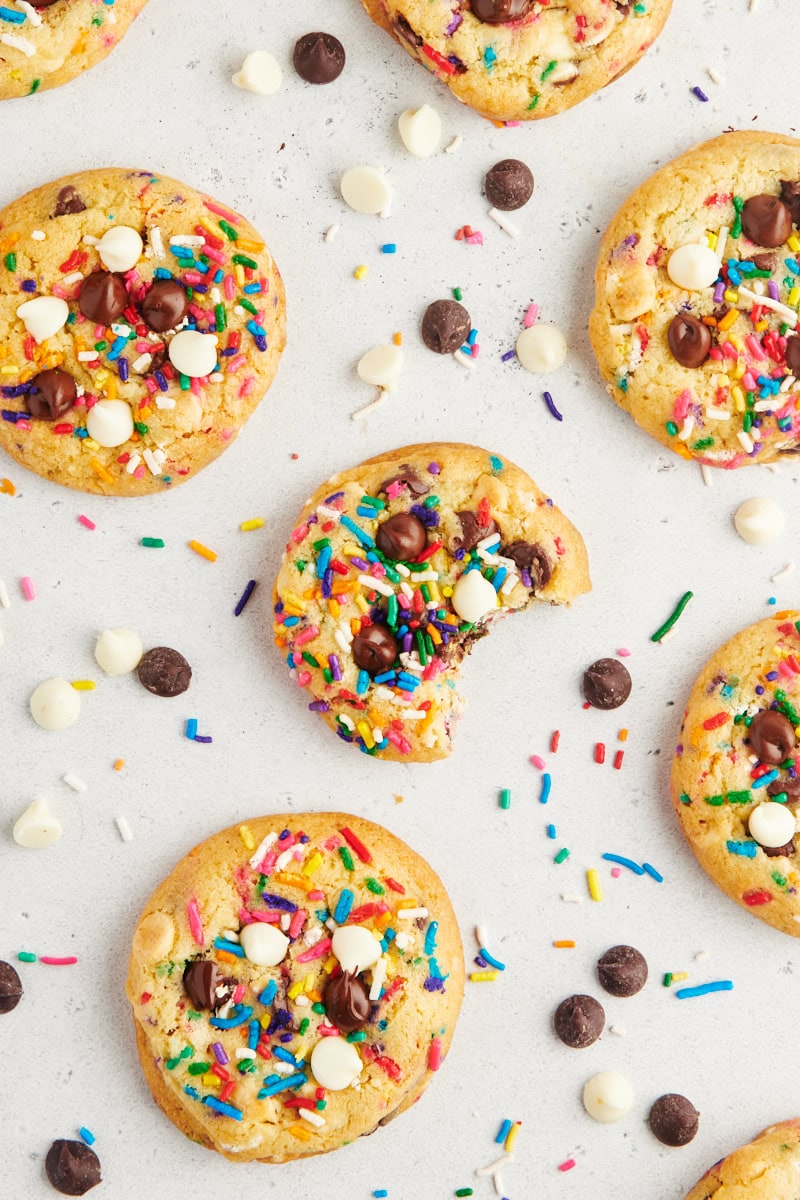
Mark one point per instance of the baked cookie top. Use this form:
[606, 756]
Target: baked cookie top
[736, 772]
[697, 296]
[765, 1169]
[391, 573]
[48, 42]
[295, 983]
[522, 59]
[140, 324]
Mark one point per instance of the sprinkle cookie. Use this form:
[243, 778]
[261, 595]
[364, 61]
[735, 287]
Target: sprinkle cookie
[735, 785]
[516, 60]
[44, 43]
[140, 324]
[395, 568]
[697, 300]
[765, 1169]
[295, 983]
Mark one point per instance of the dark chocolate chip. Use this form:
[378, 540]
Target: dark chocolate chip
[409, 478]
[472, 531]
[103, 297]
[73, 1168]
[689, 340]
[164, 672]
[771, 736]
[68, 200]
[10, 988]
[579, 1021]
[793, 354]
[445, 326]
[530, 557]
[201, 979]
[374, 649]
[790, 195]
[53, 393]
[165, 305]
[406, 32]
[766, 220]
[498, 12]
[765, 262]
[674, 1120]
[622, 971]
[786, 851]
[606, 683]
[509, 184]
[401, 537]
[788, 785]
[346, 1002]
[318, 57]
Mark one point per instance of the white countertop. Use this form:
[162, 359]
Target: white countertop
[163, 101]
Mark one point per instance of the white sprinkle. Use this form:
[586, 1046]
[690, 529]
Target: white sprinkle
[73, 278]
[378, 975]
[752, 7]
[770, 405]
[163, 401]
[722, 241]
[38, 235]
[701, 955]
[368, 408]
[261, 850]
[386, 212]
[713, 75]
[86, 355]
[18, 43]
[497, 1180]
[745, 441]
[286, 921]
[341, 641]
[425, 576]
[312, 1117]
[133, 463]
[88, 240]
[33, 16]
[74, 782]
[284, 859]
[619, 1030]
[303, 1001]
[705, 471]
[481, 936]
[329, 514]
[216, 295]
[152, 462]
[484, 1172]
[376, 585]
[787, 383]
[688, 426]
[402, 941]
[717, 414]
[409, 914]
[767, 302]
[142, 363]
[4, 600]
[157, 242]
[454, 145]
[187, 239]
[245, 1052]
[160, 457]
[402, 569]
[125, 831]
[121, 330]
[509, 585]
[312, 936]
[466, 360]
[784, 573]
[571, 898]
[410, 714]
[330, 233]
[499, 219]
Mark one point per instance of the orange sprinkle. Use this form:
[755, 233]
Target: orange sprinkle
[398, 339]
[622, 736]
[203, 551]
[225, 955]
[100, 471]
[566, 945]
[293, 880]
[7, 486]
[119, 764]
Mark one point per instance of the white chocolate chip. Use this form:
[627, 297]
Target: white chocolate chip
[193, 354]
[693, 267]
[259, 73]
[118, 651]
[421, 130]
[120, 248]
[55, 704]
[541, 348]
[772, 824]
[335, 1063]
[43, 316]
[110, 422]
[608, 1097]
[366, 189]
[356, 948]
[381, 366]
[37, 827]
[759, 521]
[473, 597]
[263, 944]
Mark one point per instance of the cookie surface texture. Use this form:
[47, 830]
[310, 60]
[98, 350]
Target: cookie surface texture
[141, 324]
[395, 568]
[342, 1009]
[696, 305]
[536, 64]
[735, 785]
[55, 43]
[765, 1169]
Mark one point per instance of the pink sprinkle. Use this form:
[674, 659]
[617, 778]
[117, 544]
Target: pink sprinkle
[568, 1165]
[215, 255]
[307, 635]
[538, 762]
[57, 962]
[476, 238]
[304, 679]
[28, 590]
[247, 386]
[755, 347]
[715, 353]
[234, 218]
[616, 872]
[315, 895]
[297, 922]
[195, 924]
[238, 993]
[435, 1054]
[681, 406]
[394, 489]
[192, 277]
[229, 287]
[226, 434]
[729, 350]
[326, 1030]
[531, 315]
[513, 124]
[233, 365]
[58, 290]
[22, 424]
[85, 521]
[317, 951]
[299, 533]
[748, 382]
[624, 652]
[271, 917]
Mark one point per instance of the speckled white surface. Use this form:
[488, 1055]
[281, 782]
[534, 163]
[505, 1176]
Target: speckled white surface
[163, 100]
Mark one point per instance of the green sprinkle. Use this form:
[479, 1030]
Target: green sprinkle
[153, 543]
[199, 1068]
[464, 1191]
[229, 231]
[140, 428]
[300, 564]
[715, 801]
[747, 422]
[561, 856]
[392, 609]
[665, 628]
[703, 443]
[11, 262]
[327, 674]
[220, 317]
[742, 797]
[780, 797]
[551, 66]
[421, 648]
[243, 260]
[185, 383]
[505, 798]
[533, 103]
[431, 502]
[672, 428]
[321, 544]
[426, 593]
[346, 857]
[309, 658]
[101, 345]
[194, 1016]
[667, 980]
[304, 1024]
[374, 501]
[35, 86]
[376, 888]
[457, 294]
[322, 1105]
[248, 304]
[738, 203]
[26, 956]
[319, 1009]
[736, 228]
[247, 1066]
[358, 1036]
[685, 798]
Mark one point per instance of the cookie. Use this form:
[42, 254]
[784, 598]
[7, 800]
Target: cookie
[735, 786]
[696, 306]
[295, 983]
[516, 60]
[140, 324]
[391, 573]
[765, 1169]
[48, 42]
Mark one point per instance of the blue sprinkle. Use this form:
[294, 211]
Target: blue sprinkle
[191, 1091]
[498, 578]
[290, 622]
[763, 780]
[253, 1034]
[380, 1193]
[430, 937]
[256, 329]
[659, 878]
[358, 532]
[13, 17]
[388, 248]
[363, 511]
[503, 1133]
[227, 1110]
[282, 1085]
[232, 948]
[191, 729]
[283, 1055]
[721, 985]
[87, 1135]
[492, 961]
[343, 906]
[743, 849]
[624, 862]
[362, 683]
[551, 831]
[386, 677]
[244, 1014]
[251, 289]
[544, 794]
[791, 263]
[323, 562]
[771, 600]
[269, 993]
[497, 463]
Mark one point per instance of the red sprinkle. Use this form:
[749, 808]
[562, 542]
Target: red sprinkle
[227, 1091]
[618, 757]
[435, 1055]
[757, 897]
[355, 843]
[428, 552]
[366, 912]
[394, 885]
[600, 752]
[554, 741]
[715, 721]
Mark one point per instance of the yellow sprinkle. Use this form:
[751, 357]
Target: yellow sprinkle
[360, 272]
[330, 962]
[793, 243]
[447, 591]
[264, 1021]
[84, 685]
[738, 397]
[513, 1134]
[254, 523]
[731, 296]
[294, 880]
[313, 864]
[622, 736]
[398, 339]
[730, 318]
[366, 733]
[361, 603]
[209, 1080]
[483, 976]
[203, 551]
[238, 271]
[407, 902]
[593, 881]
[119, 764]
[100, 471]
[334, 608]
[295, 989]
[101, 377]
[761, 325]
[290, 598]
[111, 387]
[89, 444]
[677, 976]
[738, 371]
[249, 246]
[711, 238]
[794, 296]
[9, 370]
[247, 837]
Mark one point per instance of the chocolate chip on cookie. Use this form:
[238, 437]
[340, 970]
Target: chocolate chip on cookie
[165, 305]
[606, 683]
[401, 537]
[473, 530]
[674, 1120]
[53, 393]
[374, 649]
[790, 195]
[346, 1001]
[771, 736]
[68, 201]
[532, 561]
[73, 1168]
[766, 220]
[201, 979]
[498, 12]
[793, 354]
[164, 672]
[622, 971]
[445, 326]
[509, 184]
[103, 297]
[409, 479]
[579, 1021]
[10, 988]
[689, 340]
[318, 57]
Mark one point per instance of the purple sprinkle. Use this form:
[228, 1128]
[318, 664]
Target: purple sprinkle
[330, 499]
[245, 596]
[161, 380]
[28, 285]
[508, 354]
[698, 91]
[199, 738]
[481, 962]
[279, 902]
[219, 1053]
[122, 367]
[327, 583]
[434, 984]
[434, 468]
[7, 415]
[336, 670]
[526, 579]
[360, 563]
[719, 293]
[548, 399]
[286, 1037]
[319, 706]
[772, 288]
[771, 675]
[759, 690]
[454, 24]
[408, 642]
[283, 835]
